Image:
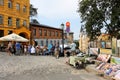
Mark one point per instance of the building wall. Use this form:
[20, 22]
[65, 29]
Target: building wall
[68, 37]
[14, 14]
[83, 42]
[54, 38]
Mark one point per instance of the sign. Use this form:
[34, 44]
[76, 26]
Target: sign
[67, 24]
[118, 43]
[114, 45]
[67, 27]
[105, 51]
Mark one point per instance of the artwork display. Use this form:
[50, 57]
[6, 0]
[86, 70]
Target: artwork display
[108, 44]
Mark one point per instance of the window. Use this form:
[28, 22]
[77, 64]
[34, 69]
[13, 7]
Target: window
[56, 33]
[40, 31]
[46, 42]
[10, 32]
[45, 32]
[24, 9]
[9, 4]
[1, 2]
[17, 22]
[49, 33]
[24, 23]
[9, 21]
[42, 43]
[1, 33]
[1, 19]
[18, 7]
[34, 32]
[53, 33]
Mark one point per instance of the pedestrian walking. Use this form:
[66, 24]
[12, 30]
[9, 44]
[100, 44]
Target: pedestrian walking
[57, 48]
[33, 50]
[18, 48]
[25, 49]
[9, 48]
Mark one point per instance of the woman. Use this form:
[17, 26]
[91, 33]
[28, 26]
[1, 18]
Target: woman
[57, 51]
[33, 50]
[9, 48]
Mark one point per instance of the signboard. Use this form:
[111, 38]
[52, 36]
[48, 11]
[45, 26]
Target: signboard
[67, 27]
[105, 51]
[114, 43]
[118, 43]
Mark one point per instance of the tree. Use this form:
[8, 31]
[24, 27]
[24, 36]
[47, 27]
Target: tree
[33, 11]
[98, 14]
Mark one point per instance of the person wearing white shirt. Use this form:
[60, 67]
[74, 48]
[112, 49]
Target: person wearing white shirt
[73, 47]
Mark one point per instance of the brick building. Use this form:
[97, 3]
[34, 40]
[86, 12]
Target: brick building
[44, 34]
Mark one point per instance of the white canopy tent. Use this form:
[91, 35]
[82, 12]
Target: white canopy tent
[13, 37]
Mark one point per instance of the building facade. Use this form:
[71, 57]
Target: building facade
[44, 34]
[68, 37]
[14, 17]
[83, 42]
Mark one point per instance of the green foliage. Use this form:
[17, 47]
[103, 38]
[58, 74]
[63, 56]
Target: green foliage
[77, 44]
[97, 14]
[33, 11]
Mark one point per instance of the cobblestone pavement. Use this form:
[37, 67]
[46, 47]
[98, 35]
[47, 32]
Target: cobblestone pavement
[40, 68]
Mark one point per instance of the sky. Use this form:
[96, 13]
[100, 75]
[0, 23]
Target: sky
[55, 12]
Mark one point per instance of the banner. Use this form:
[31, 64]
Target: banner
[115, 60]
[105, 51]
[118, 43]
[114, 43]
[94, 51]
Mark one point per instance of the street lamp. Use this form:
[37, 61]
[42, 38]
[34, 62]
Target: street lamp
[62, 27]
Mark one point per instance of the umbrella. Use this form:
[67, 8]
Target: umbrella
[13, 37]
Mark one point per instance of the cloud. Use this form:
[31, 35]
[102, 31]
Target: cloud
[56, 8]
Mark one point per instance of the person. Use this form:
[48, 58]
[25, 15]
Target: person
[57, 48]
[71, 59]
[25, 49]
[73, 47]
[9, 48]
[50, 47]
[29, 49]
[32, 50]
[37, 49]
[12, 48]
[18, 48]
[1, 46]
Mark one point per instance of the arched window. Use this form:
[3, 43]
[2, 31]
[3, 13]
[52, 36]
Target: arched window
[9, 4]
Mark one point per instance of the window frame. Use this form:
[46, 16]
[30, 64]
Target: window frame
[1, 2]
[34, 32]
[10, 5]
[17, 22]
[24, 9]
[45, 32]
[40, 32]
[18, 6]
[9, 21]
[1, 19]
[25, 23]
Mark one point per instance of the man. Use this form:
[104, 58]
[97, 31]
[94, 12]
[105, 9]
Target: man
[73, 47]
[18, 48]
[50, 47]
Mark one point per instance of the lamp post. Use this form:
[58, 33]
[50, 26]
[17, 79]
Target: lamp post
[62, 27]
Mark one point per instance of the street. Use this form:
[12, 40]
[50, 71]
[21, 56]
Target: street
[40, 68]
